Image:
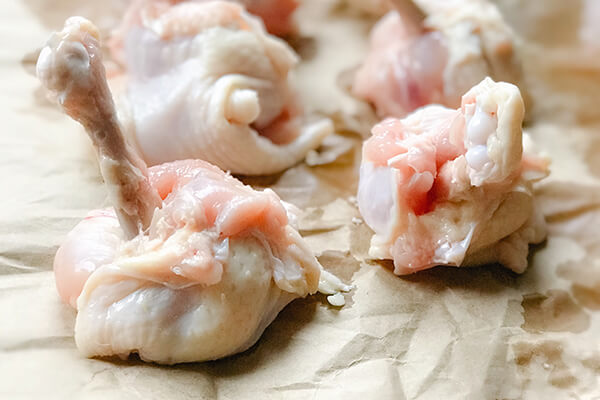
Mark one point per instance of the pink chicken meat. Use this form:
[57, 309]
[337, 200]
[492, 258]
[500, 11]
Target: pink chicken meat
[190, 264]
[204, 80]
[275, 14]
[453, 187]
[431, 52]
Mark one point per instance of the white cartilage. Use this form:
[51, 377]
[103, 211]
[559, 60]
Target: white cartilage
[242, 106]
[463, 188]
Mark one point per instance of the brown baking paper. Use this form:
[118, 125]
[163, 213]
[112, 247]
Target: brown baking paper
[445, 333]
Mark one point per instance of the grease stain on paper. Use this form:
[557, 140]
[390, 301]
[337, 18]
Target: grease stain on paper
[587, 296]
[585, 282]
[555, 311]
[548, 355]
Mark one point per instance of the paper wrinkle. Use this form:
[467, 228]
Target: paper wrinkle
[444, 333]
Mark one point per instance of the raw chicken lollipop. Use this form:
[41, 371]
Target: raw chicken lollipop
[453, 187]
[204, 80]
[190, 264]
[434, 53]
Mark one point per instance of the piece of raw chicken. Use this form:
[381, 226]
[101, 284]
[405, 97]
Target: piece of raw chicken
[204, 80]
[432, 52]
[453, 187]
[190, 264]
[275, 14]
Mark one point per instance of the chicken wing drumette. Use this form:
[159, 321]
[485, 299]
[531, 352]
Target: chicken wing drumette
[203, 79]
[432, 51]
[189, 264]
[453, 187]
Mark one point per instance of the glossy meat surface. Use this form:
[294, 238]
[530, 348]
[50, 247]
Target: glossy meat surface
[434, 56]
[275, 14]
[217, 264]
[204, 80]
[189, 264]
[451, 187]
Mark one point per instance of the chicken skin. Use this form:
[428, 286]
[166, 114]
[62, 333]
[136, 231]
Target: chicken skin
[189, 264]
[432, 52]
[453, 187]
[204, 80]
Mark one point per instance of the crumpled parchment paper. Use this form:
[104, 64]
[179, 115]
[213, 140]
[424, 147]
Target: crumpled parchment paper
[446, 333]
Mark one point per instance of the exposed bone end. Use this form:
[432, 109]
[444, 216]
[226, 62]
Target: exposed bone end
[242, 107]
[63, 68]
[494, 114]
[79, 25]
[65, 58]
[70, 66]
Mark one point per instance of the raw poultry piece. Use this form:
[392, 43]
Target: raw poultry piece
[204, 80]
[190, 264]
[275, 14]
[433, 51]
[453, 187]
